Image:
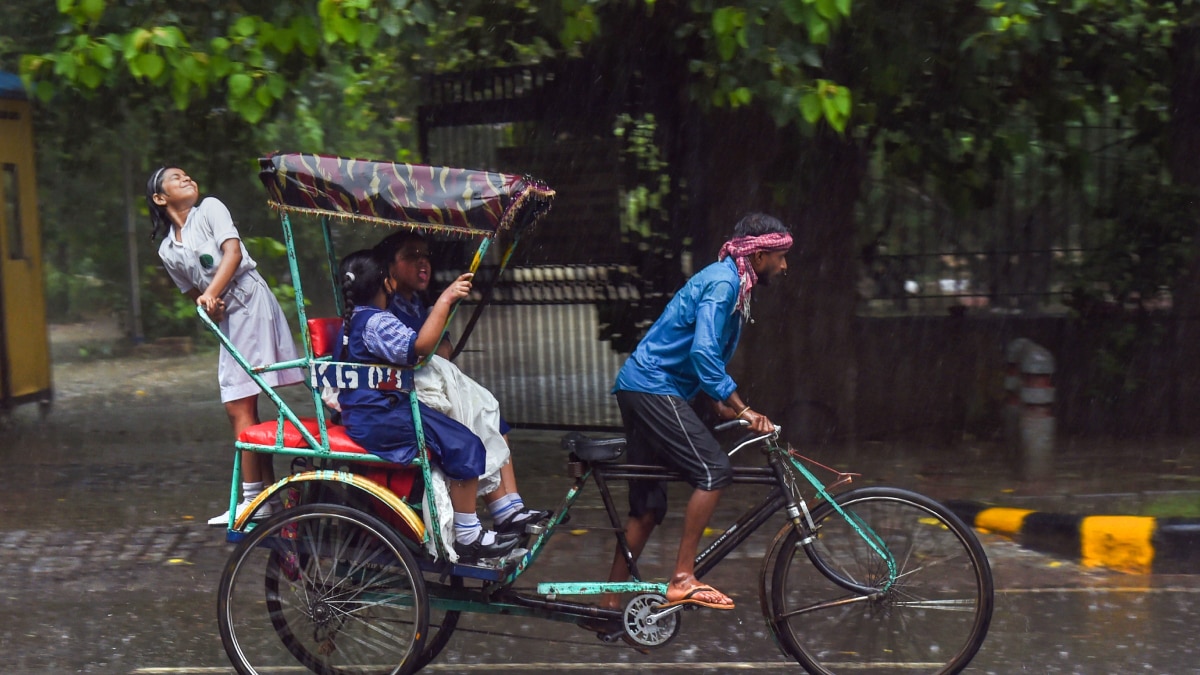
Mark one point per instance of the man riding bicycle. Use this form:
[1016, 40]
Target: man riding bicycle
[683, 355]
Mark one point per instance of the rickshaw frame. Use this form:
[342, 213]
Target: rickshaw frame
[303, 194]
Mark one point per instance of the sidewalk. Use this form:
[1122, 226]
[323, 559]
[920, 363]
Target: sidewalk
[1128, 505]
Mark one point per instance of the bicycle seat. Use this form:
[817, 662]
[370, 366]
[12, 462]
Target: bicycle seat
[594, 449]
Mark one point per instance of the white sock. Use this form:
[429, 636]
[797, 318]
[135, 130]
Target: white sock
[467, 528]
[504, 508]
[250, 491]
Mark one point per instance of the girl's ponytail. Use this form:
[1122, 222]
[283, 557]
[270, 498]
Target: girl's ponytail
[158, 214]
[361, 274]
[347, 311]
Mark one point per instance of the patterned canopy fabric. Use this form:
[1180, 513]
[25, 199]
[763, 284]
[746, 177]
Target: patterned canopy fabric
[438, 199]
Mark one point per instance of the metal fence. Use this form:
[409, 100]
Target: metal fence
[537, 347]
[923, 253]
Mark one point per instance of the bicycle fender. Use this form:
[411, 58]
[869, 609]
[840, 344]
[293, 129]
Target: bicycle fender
[410, 518]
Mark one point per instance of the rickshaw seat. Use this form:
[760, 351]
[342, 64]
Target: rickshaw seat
[402, 479]
[323, 334]
[264, 434]
[405, 480]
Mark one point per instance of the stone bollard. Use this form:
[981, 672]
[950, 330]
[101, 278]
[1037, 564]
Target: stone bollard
[1012, 390]
[1036, 423]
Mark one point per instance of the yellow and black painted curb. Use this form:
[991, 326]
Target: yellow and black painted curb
[1135, 544]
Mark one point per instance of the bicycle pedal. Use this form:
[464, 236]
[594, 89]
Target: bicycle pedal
[500, 562]
[538, 528]
[610, 638]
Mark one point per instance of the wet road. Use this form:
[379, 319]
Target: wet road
[106, 567]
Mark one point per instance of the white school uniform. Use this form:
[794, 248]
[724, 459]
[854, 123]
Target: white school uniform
[254, 321]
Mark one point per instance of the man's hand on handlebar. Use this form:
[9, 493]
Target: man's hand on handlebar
[757, 422]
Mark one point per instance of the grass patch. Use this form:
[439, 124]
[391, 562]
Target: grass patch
[1173, 506]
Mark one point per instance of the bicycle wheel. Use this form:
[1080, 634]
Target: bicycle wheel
[932, 617]
[327, 586]
[441, 624]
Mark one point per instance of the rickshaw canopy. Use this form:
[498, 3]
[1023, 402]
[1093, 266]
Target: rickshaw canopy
[429, 198]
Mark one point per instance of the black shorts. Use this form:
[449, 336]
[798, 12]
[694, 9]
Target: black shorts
[666, 430]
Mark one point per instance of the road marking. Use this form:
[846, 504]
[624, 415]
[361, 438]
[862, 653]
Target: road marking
[1132, 589]
[521, 667]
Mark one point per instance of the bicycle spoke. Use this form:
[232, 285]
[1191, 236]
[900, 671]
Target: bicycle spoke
[931, 616]
[343, 596]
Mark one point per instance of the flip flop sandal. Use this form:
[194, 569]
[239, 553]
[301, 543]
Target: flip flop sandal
[690, 598]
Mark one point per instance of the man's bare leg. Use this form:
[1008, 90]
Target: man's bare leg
[637, 533]
[700, 509]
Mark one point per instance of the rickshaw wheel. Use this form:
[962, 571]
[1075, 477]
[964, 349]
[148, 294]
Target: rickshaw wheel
[440, 628]
[325, 585]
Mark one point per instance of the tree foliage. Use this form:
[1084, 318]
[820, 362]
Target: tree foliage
[254, 51]
[249, 51]
[946, 96]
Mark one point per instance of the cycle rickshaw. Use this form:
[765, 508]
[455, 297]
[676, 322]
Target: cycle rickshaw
[350, 578]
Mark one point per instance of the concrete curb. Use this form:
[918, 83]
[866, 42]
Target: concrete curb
[1134, 544]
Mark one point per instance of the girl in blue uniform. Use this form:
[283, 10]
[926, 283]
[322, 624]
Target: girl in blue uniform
[406, 253]
[381, 421]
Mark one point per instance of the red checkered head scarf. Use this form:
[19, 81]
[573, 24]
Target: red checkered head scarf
[741, 248]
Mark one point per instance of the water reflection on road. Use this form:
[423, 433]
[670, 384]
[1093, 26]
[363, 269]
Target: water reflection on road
[105, 567]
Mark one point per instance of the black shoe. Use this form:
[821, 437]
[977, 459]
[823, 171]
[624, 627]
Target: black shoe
[525, 516]
[474, 551]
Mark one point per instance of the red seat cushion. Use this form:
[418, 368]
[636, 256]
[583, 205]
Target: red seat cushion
[402, 479]
[323, 333]
[399, 478]
[264, 434]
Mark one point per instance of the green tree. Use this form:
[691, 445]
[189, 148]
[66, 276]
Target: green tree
[124, 89]
[794, 98]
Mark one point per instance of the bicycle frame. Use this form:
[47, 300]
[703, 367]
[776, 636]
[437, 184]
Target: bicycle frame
[496, 600]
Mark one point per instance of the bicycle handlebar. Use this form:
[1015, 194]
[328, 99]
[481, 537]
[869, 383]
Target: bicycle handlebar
[740, 423]
[750, 438]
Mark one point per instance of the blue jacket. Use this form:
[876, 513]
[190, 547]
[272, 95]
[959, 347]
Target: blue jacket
[686, 350]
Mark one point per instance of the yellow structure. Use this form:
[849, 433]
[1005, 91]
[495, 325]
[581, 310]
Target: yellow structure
[24, 345]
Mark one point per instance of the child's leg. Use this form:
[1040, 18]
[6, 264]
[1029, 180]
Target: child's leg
[467, 528]
[509, 512]
[462, 494]
[461, 455]
[508, 484]
[256, 467]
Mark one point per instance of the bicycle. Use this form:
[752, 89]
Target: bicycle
[346, 577]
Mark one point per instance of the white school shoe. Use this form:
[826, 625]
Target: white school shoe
[265, 511]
